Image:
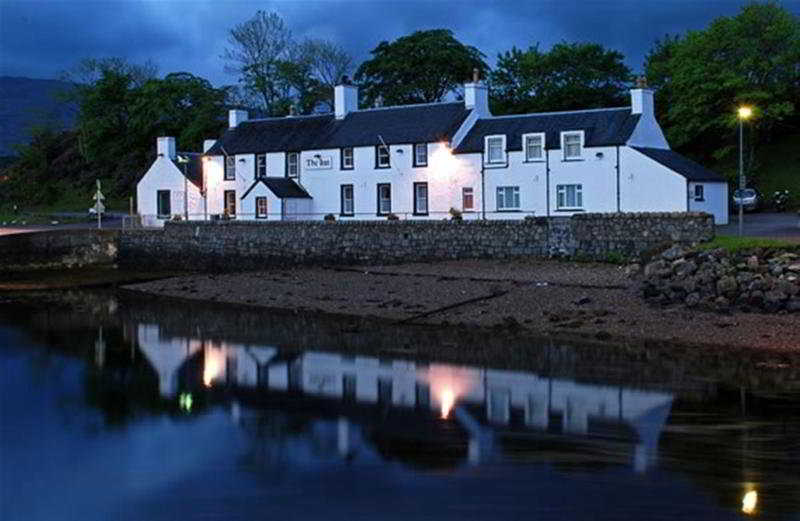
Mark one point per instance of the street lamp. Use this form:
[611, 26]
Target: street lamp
[744, 113]
[185, 160]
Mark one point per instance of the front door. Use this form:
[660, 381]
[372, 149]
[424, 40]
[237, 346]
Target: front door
[230, 202]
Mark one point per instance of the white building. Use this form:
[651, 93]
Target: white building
[421, 161]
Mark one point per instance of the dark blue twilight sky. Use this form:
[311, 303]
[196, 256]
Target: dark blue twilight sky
[43, 38]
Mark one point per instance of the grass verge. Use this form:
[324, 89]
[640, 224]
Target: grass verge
[734, 244]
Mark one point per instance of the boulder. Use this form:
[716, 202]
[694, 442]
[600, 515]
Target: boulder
[673, 253]
[727, 286]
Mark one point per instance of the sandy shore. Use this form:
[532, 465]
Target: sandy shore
[575, 300]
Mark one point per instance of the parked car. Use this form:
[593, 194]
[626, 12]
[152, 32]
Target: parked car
[749, 198]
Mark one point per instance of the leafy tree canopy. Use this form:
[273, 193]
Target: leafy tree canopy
[570, 76]
[702, 77]
[422, 67]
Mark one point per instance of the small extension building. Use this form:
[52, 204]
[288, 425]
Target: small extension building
[427, 161]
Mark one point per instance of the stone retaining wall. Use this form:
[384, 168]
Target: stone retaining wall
[236, 245]
[57, 249]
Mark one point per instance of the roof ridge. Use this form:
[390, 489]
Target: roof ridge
[532, 114]
[284, 118]
[409, 105]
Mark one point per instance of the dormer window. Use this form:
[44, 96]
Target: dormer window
[495, 149]
[261, 166]
[230, 168]
[533, 146]
[572, 145]
[382, 156]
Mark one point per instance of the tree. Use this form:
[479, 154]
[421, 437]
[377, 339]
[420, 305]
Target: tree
[325, 63]
[422, 67]
[570, 76]
[752, 58]
[257, 48]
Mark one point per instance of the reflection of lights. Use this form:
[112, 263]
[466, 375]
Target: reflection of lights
[448, 398]
[749, 502]
[185, 402]
[443, 162]
[212, 367]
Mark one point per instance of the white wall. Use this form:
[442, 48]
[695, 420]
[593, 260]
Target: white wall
[164, 175]
[248, 204]
[649, 186]
[715, 201]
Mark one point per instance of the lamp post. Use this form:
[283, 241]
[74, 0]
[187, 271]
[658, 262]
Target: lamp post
[744, 113]
[185, 160]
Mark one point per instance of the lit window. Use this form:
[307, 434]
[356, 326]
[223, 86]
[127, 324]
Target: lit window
[347, 158]
[467, 198]
[261, 166]
[534, 147]
[261, 207]
[382, 156]
[347, 207]
[495, 149]
[421, 154]
[507, 198]
[421, 198]
[569, 197]
[384, 199]
[572, 144]
[230, 168]
[230, 202]
[292, 164]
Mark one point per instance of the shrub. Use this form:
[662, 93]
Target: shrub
[455, 214]
[329, 217]
[392, 217]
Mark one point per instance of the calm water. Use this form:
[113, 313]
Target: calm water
[112, 408]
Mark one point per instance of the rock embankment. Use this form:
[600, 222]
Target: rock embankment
[718, 280]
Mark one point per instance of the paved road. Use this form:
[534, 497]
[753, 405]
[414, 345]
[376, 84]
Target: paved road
[776, 225]
[109, 223]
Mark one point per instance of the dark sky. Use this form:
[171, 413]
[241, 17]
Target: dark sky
[43, 38]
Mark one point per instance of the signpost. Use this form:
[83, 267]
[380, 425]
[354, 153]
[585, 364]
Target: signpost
[99, 207]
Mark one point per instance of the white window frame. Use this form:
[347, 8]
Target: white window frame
[699, 195]
[261, 166]
[488, 159]
[423, 147]
[348, 165]
[159, 213]
[229, 173]
[562, 196]
[292, 167]
[464, 191]
[525, 138]
[344, 200]
[421, 201]
[502, 199]
[388, 209]
[259, 213]
[383, 151]
[572, 157]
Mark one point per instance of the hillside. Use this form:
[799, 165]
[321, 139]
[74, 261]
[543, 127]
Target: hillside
[26, 102]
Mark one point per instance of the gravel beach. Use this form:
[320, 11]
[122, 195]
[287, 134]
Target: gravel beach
[540, 298]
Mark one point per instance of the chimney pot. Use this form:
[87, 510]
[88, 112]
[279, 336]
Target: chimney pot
[476, 75]
[165, 147]
[235, 117]
[345, 98]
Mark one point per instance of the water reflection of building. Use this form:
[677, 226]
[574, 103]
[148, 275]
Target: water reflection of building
[486, 403]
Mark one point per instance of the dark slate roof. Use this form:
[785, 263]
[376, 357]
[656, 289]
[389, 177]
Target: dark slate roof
[424, 123]
[194, 168]
[602, 127]
[282, 187]
[682, 165]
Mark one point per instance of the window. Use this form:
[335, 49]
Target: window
[230, 202]
[261, 208]
[261, 166]
[163, 205]
[382, 156]
[507, 198]
[533, 145]
[346, 195]
[698, 193]
[467, 198]
[347, 158]
[569, 197]
[292, 164]
[572, 145]
[421, 154]
[495, 149]
[420, 198]
[384, 199]
[230, 168]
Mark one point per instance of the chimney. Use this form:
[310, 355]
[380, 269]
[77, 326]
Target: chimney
[476, 95]
[165, 146]
[207, 144]
[345, 98]
[235, 117]
[642, 98]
